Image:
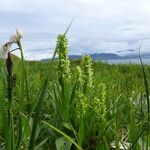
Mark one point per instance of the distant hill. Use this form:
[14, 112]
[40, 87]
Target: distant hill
[95, 56]
[99, 56]
[136, 56]
[108, 56]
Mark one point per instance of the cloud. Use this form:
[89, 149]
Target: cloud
[99, 25]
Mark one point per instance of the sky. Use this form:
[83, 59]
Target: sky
[99, 26]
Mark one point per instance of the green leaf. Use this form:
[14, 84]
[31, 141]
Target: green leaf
[81, 133]
[63, 144]
[37, 113]
[26, 125]
[62, 133]
[24, 130]
[68, 126]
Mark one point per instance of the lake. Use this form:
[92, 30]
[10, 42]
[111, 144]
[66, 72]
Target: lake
[127, 61]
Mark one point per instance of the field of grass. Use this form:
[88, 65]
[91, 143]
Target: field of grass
[72, 104]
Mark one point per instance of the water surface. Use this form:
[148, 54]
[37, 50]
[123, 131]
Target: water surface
[127, 61]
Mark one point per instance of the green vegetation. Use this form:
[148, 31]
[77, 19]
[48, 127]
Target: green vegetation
[66, 105]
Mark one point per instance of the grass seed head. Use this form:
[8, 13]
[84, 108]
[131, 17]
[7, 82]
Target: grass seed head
[16, 37]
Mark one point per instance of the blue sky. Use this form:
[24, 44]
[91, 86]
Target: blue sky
[99, 25]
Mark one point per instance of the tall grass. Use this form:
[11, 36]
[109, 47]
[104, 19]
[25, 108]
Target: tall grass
[71, 104]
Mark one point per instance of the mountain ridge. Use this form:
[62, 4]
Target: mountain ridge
[94, 56]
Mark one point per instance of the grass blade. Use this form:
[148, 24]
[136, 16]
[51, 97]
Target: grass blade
[62, 133]
[147, 95]
[37, 112]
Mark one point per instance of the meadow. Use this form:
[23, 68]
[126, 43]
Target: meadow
[68, 104]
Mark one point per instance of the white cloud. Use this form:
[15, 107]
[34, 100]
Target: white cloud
[99, 25]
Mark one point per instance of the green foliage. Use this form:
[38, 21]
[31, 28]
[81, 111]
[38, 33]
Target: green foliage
[64, 104]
